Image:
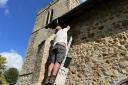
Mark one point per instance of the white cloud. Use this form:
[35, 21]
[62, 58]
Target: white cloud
[13, 59]
[3, 3]
[6, 12]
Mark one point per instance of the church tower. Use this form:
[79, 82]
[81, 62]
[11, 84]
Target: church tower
[33, 70]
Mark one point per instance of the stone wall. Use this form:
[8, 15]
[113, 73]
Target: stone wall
[99, 50]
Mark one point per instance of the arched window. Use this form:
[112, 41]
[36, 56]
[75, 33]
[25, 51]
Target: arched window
[47, 20]
[51, 18]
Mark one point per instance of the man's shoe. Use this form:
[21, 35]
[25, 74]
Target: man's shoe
[47, 80]
[52, 79]
[50, 84]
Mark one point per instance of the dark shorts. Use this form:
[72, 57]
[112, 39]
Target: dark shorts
[58, 54]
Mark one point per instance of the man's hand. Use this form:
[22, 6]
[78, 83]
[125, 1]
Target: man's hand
[68, 28]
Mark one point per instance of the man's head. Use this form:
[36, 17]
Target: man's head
[58, 28]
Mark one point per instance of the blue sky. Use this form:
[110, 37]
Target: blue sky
[16, 23]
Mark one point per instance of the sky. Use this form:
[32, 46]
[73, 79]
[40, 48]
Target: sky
[17, 19]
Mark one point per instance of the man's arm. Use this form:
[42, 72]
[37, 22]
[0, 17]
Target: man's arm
[67, 28]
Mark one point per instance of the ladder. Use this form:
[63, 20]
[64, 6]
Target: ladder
[63, 71]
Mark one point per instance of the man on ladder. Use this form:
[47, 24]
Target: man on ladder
[58, 53]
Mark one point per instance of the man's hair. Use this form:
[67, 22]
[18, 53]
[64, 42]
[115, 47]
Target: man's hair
[58, 27]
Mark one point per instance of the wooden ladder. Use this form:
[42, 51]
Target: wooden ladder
[63, 71]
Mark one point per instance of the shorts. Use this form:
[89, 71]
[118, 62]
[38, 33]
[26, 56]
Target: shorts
[58, 53]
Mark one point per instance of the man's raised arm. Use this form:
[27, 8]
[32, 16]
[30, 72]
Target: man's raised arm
[67, 28]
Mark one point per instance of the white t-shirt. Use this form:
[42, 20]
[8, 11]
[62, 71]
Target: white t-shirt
[61, 36]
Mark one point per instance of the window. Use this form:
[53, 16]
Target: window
[51, 17]
[47, 21]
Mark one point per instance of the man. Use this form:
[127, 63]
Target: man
[58, 53]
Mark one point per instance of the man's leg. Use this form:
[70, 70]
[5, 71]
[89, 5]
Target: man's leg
[53, 59]
[59, 58]
[54, 72]
[55, 68]
[50, 68]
